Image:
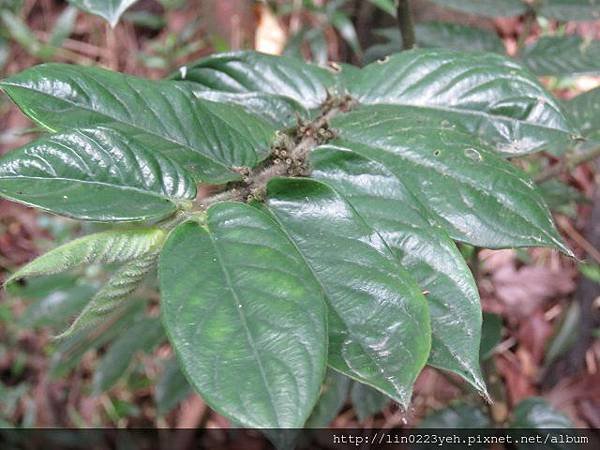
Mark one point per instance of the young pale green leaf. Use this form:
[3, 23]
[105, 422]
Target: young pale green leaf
[379, 330]
[252, 72]
[570, 9]
[367, 401]
[171, 388]
[427, 252]
[245, 316]
[486, 8]
[206, 138]
[333, 396]
[563, 56]
[537, 413]
[484, 94]
[143, 335]
[100, 248]
[480, 198]
[95, 174]
[113, 294]
[109, 10]
[438, 35]
[585, 111]
[456, 416]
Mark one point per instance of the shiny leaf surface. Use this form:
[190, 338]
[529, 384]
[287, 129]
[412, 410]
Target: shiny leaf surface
[486, 95]
[477, 196]
[245, 316]
[563, 56]
[247, 72]
[585, 110]
[95, 174]
[379, 331]
[109, 10]
[207, 138]
[427, 252]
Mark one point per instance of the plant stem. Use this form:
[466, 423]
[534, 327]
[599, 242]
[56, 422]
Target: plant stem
[568, 164]
[405, 22]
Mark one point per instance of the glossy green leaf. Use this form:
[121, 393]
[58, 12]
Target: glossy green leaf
[565, 335]
[95, 174]
[379, 331]
[537, 413]
[480, 198]
[114, 293]
[99, 248]
[457, 416]
[563, 56]
[245, 316]
[334, 393]
[483, 94]
[367, 401]
[109, 10]
[206, 138]
[585, 111]
[438, 35]
[248, 72]
[491, 334]
[427, 252]
[143, 335]
[171, 387]
[570, 9]
[486, 8]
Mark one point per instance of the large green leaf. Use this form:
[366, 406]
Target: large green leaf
[585, 110]
[245, 316]
[563, 56]
[246, 72]
[452, 36]
[207, 138]
[142, 335]
[427, 252]
[379, 331]
[570, 9]
[486, 8]
[99, 248]
[480, 198]
[171, 388]
[95, 174]
[486, 95]
[109, 10]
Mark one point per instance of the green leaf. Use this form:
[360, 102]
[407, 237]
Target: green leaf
[247, 72]
[171, 388]
[562, 56]
[427, 252]
[109, 10]
[367, 401]
[114, 293]
[385, 5]
[245, 316]
[69, 351]
[483, 94]
[438, 35]
[491, 334]
[457, 416]
[565, 335]
[95, 174]
[206, 138]
[100, 248]
[480, 198]
[379, 331]
[585, 111]
[63, 27]
[143, 335]
[535, 412]
[570, 9]
[486, 8]
[333, 396]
